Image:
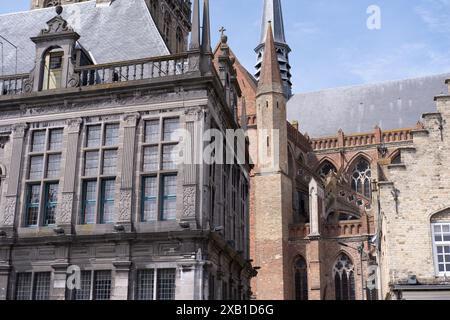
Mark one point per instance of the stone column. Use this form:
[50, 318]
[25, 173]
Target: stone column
[64, 214]
[121, 280]
[316, 206]
[192, 159]
[9, 209]
[59, 281]
[129, 123]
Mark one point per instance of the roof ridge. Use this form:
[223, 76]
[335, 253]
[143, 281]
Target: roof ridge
[374, 83]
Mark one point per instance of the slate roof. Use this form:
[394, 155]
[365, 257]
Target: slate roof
[123, 30]
[358, 109]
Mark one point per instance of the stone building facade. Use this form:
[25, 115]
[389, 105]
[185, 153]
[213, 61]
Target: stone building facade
[335, 221]
[100, 179]
[414, 205]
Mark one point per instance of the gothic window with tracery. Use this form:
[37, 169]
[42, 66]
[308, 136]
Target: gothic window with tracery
[52, 3]
[180, 40]
[361, 176]
[344, 278]
[326, 168]
[166, 28]
[301, 279]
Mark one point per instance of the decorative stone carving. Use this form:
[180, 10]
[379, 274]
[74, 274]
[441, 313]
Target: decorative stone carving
[56, 25]
[189, 195]
[74, 125]
[64, 216]
[131, 119]
[74, 81]
[18, 130]
[125, 205]
[193, 114]
[9, 211]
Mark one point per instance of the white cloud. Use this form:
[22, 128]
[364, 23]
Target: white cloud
[405, 61]
[435, 14]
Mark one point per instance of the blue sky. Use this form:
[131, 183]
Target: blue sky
[331, 44]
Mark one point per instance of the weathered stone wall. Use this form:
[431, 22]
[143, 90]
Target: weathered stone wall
[414, 191]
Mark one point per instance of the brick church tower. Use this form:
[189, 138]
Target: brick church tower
[173, 18]
[273, 187]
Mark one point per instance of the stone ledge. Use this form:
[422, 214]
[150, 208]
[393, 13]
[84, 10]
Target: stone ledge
[420, 132]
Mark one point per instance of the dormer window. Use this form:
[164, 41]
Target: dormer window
[52, 69]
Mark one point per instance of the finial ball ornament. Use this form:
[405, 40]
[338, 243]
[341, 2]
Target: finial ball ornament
[59, 10]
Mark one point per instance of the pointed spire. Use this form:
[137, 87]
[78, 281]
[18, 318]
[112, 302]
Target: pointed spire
[195, 34]
[206, 37]
[270, 79]
[274, 13]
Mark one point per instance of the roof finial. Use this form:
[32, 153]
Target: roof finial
[59, 10]
[195, 35]
[206, 37]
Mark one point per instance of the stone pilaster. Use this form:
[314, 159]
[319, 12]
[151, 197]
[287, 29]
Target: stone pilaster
[129, 123]
[121, 280]
[10, 207]
[66, 205]
[59, 281]
[192, 159]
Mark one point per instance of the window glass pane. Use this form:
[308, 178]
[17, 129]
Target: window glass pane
[169, 207]
[84, 293]
[36, 167]
[152, 131]
[108, 193]
[41, 289]
[89, 202]
[150, 159]
[446, 228]
[111, 134]
[440, 249]
[34, 198]
[150, 197]
[437, 228]
[38, 144]
[51, 203]
[56, 137]
[55, 61]
[110, 162]
[53, 166]
[170, 127]
[23, 286]
[94, 136]
[91, 163]
[447, 238]
[170, 157]
[166, 284]
[144, 287]
[102, 285]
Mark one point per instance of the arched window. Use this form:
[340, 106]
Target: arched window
[180, 40]
[326, 168]
[440, 224]
[52, 3]
[166, 27]
[361, 176]
[53, 63]
[344, 278]
[301, 279]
